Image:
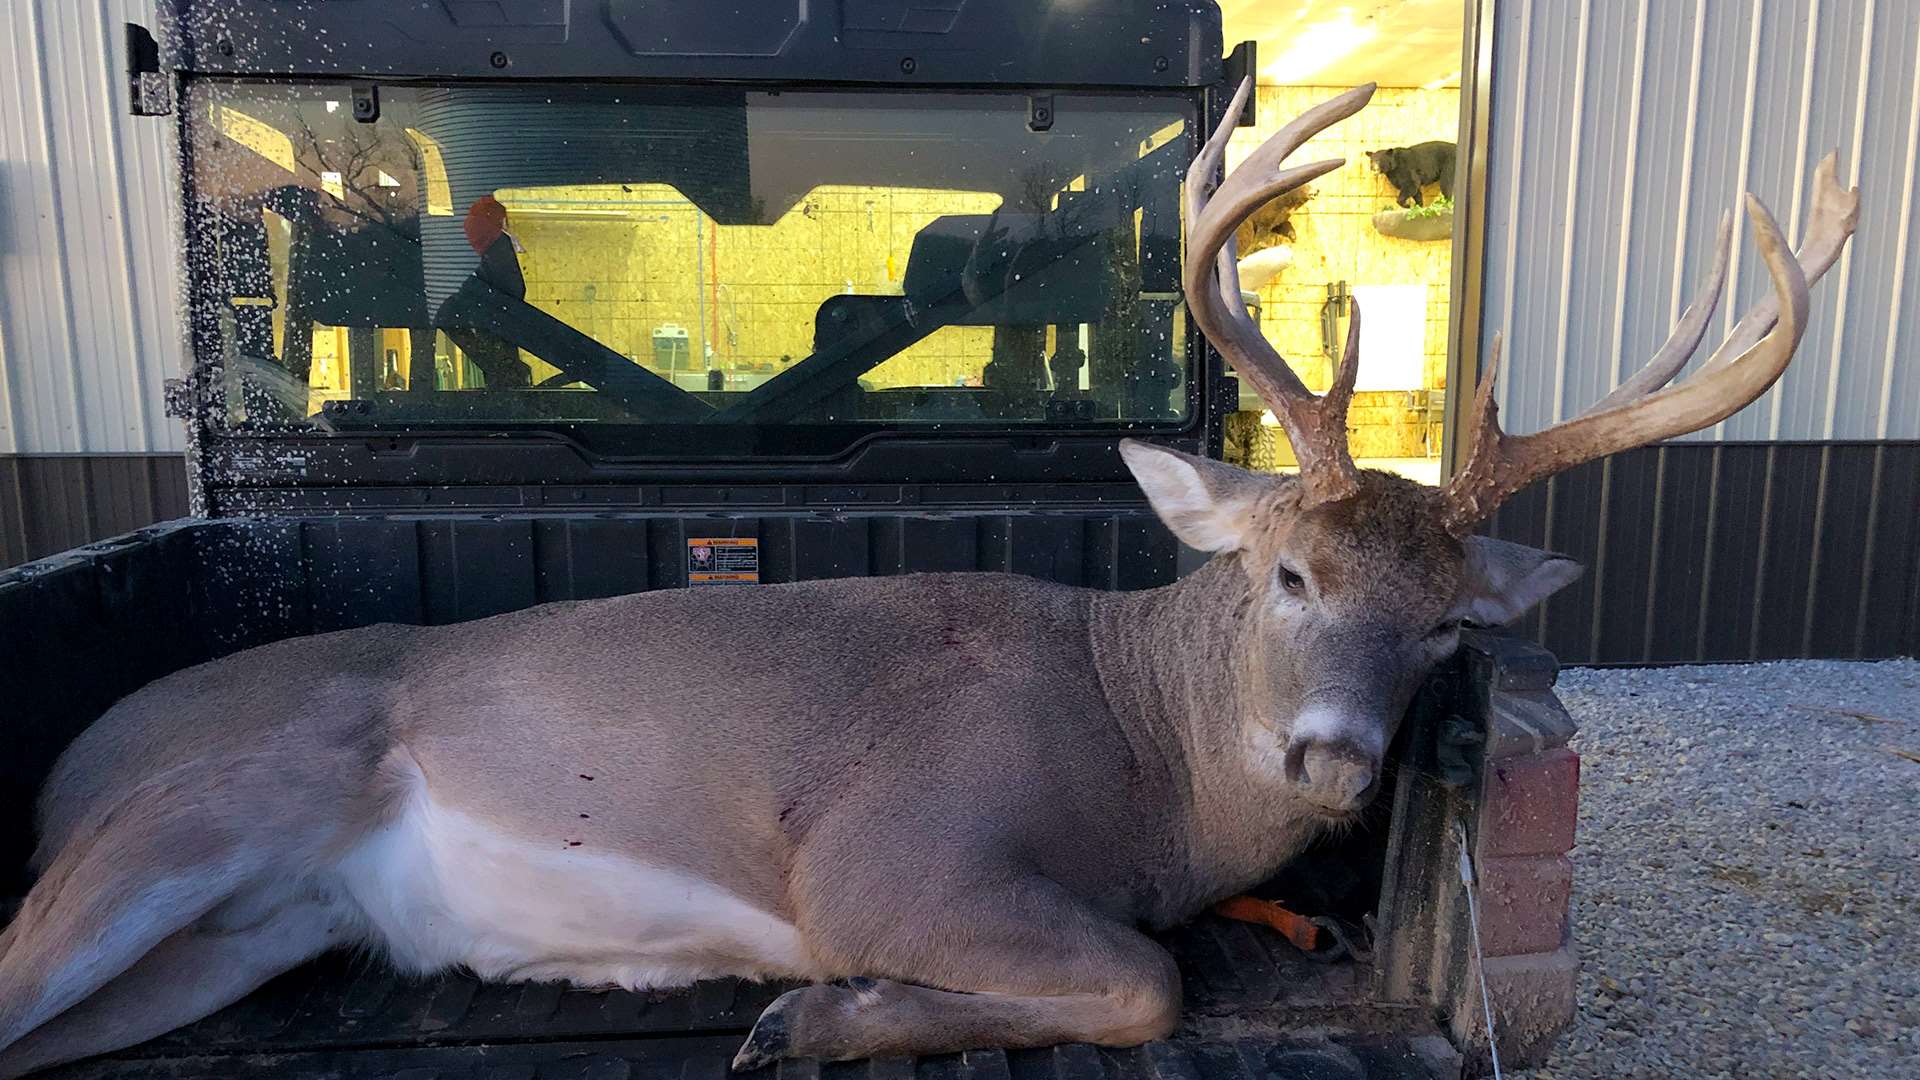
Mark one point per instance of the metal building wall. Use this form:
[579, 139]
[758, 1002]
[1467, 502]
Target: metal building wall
[1618, 132]
[88, 323]
[1621, 131]
[52, 502]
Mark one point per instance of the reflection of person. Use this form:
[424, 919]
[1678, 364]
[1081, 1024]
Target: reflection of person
[486, 228]
[499, 269]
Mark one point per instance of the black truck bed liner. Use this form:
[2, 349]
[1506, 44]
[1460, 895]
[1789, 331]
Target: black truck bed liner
[1253, 1007]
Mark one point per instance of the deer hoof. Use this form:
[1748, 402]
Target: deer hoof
[770, 1038]
[865, 991]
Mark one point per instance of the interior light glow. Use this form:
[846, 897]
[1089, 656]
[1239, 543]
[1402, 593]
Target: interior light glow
[1317, 47]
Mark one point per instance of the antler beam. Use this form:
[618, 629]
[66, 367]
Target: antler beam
[1316, 426]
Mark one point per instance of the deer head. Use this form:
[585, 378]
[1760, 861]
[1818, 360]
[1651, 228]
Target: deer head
[1356, 581]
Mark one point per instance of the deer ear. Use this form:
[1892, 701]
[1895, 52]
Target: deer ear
[1204, 502]
[1504, 581]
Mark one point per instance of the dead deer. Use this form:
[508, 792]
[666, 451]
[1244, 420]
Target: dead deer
[945, 800]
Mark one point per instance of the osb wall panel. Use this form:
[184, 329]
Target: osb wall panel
[1337, 242]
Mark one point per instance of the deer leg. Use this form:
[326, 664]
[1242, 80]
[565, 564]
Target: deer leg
[145, 869]
[1025, 965]
[193, 973]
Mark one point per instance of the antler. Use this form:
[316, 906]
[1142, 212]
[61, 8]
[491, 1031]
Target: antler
[1640, 411]
[1316, 426]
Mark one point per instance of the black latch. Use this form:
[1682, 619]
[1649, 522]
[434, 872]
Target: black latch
[340, 408]
[1243, 61]
[149, 93]
[366, 104]
[1039, 112]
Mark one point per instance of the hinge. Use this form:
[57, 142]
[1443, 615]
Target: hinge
[179, 403]
[149, 91]
[191, 397]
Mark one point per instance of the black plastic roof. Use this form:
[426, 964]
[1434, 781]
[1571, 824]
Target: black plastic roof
[1042, 43]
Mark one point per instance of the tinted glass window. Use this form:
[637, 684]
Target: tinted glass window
[686, 267]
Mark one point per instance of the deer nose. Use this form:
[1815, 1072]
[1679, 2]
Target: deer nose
[1333, 776]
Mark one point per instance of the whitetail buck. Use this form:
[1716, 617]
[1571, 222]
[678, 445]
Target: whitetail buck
[957, 795]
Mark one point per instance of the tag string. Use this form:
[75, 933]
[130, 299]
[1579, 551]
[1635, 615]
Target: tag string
[1479, 958]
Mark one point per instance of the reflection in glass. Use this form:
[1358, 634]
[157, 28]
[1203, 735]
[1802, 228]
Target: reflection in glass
[691, 260]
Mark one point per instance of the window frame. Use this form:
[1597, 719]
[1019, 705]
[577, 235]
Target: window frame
[622, 448]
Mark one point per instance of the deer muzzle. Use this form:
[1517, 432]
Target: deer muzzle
[1333, 759]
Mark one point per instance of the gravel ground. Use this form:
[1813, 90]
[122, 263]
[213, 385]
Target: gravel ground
[1747, 877]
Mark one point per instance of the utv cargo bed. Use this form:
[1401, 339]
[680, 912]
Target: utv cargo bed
[91, 625]
[1253, 1004]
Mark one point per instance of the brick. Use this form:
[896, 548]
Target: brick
[1530, 805]
[1526, 720]
[1523, 903]
[1533, 1000]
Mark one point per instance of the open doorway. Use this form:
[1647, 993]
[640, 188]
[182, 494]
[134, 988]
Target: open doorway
[1379, 229]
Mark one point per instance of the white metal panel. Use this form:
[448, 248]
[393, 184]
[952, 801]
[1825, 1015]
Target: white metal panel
[88, 267]
[1620, 131]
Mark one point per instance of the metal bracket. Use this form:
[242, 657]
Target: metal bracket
[1339, 296]
[149, 91]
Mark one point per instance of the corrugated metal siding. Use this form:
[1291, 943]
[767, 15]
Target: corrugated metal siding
[88, 320]
[1730, 551]
[1620, 131]
[54, 502]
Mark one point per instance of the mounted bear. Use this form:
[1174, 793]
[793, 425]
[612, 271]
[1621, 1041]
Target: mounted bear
[1411, 168]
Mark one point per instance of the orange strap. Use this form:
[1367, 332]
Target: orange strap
[1304, 935]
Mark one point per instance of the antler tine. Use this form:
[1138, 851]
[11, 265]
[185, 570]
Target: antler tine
[1500, 464]
[1260, 178]
[1685, 339]
[1247, 351]
[1211, 279]
[1835, 210]
[1340, 395]
[1201, 172]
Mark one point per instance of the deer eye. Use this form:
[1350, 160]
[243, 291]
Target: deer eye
[1291, 581]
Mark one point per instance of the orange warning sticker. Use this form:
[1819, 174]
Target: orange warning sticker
[731, 560]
